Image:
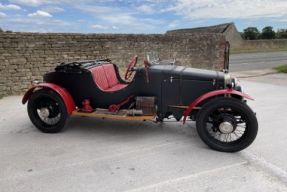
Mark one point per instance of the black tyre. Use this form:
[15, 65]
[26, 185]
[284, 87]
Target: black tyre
[47, 111]
[227, 124]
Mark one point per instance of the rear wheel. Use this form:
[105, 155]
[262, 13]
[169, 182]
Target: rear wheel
[47, 111]
[227, 124]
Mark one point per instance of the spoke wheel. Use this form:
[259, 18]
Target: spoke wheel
[47, 111]
[227, 124]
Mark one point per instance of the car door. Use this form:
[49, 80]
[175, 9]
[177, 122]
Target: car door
[170, 92]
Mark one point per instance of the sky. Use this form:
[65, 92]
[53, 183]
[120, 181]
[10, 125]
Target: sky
[137, 16]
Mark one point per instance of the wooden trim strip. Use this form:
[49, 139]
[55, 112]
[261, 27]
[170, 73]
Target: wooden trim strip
[116, 117]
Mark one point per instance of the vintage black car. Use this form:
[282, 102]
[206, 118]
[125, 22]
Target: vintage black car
[155, 91]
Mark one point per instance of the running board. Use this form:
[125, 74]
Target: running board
[115, 117]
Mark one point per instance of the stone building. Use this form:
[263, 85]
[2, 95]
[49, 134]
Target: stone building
[228, 30]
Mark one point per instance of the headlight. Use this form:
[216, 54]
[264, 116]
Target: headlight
[236, 84]
[232, 82]
[227, 81]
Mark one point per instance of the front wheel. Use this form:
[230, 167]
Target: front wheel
[226, 124]
[47, 111]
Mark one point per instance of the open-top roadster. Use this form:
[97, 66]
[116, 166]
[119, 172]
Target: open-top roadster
[156, 91]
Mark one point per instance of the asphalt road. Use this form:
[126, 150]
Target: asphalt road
[104, 155]
[254, 61]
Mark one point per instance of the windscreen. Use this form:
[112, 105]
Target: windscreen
[154, 59]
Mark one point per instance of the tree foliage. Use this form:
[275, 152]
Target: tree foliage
[252, 33]
[281, 34]
[268, 33]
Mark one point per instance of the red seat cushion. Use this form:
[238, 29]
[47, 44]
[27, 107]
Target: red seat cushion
[100, 77]
[111, 74]
[106, 79]
[116, 87]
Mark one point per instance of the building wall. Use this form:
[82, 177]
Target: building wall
[233, 37]
[27, 56]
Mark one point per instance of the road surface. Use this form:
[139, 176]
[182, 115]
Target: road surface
[254, 61]
[121, 156]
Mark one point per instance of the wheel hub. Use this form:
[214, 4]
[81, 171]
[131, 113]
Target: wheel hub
[226, 127]
[44, 112]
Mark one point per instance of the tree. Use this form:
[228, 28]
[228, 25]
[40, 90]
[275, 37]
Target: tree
[268, 33]
[251, 33]
[281, 34]
[1, 30]
[242, 35]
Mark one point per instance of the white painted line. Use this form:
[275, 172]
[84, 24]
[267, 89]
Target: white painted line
[185, 178]
[266, 166]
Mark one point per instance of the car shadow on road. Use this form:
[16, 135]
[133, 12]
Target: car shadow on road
[130, 129]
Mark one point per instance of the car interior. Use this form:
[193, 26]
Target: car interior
[106, 78]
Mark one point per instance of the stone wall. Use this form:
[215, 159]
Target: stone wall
[265, 44]
[27, 56]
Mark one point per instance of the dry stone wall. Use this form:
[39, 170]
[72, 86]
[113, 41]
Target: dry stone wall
[264, 45]
[27, 56]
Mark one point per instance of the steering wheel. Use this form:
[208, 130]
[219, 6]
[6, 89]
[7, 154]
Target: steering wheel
[131, 65]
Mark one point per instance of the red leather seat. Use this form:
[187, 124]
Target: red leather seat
[111, 74]
[106, 79]
[100, 77]
[116, 87]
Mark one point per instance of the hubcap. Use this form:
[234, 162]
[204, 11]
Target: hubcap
[47, 110]
[226, 127]
[44, 112]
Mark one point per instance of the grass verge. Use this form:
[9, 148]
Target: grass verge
[281, 68]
